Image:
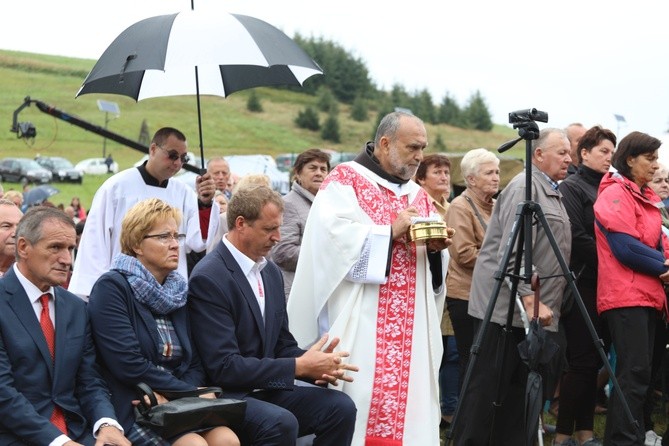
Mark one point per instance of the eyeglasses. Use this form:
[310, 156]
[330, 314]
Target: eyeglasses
[173, 155]
[167, 237]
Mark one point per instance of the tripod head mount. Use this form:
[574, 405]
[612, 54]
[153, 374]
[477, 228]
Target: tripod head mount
[525, 122]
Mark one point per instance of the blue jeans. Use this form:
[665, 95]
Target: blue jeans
[449, 376]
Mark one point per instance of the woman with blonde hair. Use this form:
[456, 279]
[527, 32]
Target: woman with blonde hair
[14, 196]
[140, 322]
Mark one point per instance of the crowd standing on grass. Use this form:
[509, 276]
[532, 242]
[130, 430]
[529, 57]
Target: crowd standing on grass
[363, 360]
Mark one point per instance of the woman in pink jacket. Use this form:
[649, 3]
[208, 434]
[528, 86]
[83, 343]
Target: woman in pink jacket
[631, 250]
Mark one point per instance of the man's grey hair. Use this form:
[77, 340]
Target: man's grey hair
[31, 224]
[543, 136]
[390, 124]
[217, 158]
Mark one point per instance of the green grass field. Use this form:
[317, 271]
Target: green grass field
[660, 418]
[228, 127]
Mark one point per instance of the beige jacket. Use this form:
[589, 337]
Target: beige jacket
[467, 242]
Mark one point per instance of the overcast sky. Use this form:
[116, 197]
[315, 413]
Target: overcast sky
[577, 60]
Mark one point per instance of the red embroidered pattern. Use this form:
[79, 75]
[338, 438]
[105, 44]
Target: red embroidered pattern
[395, 318]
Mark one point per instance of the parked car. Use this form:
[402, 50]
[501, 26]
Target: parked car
[24, 171]
[60, 168]
[95, 166]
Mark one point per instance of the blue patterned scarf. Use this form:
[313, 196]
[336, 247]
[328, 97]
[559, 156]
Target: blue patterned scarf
[161, 299]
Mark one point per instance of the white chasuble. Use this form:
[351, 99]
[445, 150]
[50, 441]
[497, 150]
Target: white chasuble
[391, 329]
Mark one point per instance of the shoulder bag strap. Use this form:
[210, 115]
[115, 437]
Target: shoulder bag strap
[476, 211]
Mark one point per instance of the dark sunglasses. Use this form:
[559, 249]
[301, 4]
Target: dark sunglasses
[174, 155]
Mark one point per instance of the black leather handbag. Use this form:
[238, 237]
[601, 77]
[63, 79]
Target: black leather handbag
[186, 411]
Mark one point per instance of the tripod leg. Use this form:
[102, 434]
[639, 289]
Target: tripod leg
[506, 330]
[481, 333]
[584, 313]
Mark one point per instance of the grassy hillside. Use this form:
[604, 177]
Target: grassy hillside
[228, 128]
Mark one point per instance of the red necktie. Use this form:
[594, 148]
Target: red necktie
[57, 417]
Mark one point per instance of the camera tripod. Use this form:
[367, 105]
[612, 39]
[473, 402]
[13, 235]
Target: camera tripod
[520, 237]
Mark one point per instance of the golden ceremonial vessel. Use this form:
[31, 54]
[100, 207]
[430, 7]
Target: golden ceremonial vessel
[429, 229]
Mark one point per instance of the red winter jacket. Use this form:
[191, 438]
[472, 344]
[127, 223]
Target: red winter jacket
[622, 207]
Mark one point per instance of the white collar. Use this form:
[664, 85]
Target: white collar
[245, 263]
[31, 290]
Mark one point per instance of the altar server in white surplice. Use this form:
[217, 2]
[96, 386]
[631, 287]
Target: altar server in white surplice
[359, 278]
[99, 244]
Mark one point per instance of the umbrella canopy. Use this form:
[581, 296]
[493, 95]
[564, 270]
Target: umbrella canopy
[536, 350]
[198, 53]
[38, 194]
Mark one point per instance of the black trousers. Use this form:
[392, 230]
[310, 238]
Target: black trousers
[632, 336]
[479, 422]
[463, 327]
[578, 387]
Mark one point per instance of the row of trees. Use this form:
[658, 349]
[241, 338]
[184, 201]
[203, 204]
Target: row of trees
[348, 80]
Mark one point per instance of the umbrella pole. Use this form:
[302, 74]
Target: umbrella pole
[199, 117]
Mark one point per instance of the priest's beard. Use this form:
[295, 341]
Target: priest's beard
[400, 169]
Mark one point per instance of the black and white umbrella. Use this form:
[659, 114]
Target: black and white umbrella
[198, 53]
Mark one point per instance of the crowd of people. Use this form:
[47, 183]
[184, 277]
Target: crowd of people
[177, 289]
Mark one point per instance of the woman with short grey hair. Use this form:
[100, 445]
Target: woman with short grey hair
[469, 214]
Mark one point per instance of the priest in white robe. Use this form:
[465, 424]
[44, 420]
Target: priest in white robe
[359, 278]
[100, 239]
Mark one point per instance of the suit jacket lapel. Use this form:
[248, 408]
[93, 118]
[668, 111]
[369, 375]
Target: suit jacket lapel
[63, 320]
[22, 307]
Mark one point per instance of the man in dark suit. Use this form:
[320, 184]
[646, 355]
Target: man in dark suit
[240, 328]
[50, 390]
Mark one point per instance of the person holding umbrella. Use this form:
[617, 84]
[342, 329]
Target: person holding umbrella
[100, 239]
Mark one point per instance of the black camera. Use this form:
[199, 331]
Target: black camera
[531, 114]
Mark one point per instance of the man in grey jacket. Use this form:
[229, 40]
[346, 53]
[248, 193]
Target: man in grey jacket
[550, 160]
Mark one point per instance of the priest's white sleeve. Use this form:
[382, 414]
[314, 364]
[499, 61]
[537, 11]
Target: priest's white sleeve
[372, 265]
